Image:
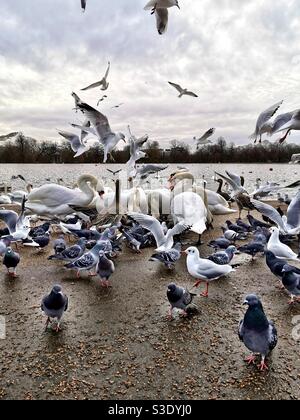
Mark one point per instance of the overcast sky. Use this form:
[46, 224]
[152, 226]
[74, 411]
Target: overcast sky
[240, 56]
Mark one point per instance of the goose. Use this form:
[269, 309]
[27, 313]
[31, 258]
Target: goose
[55, 200]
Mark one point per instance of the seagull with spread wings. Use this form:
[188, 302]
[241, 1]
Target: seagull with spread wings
[263, 124]
[78, 146]
[160, 9]
[183, 91]
[103, 82]
[205, 138]
[100, 128]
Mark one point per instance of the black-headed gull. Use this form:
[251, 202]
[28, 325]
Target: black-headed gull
[103, 82]
[182, 91]
[262, 123]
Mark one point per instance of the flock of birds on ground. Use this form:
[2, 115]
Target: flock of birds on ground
[102, 219]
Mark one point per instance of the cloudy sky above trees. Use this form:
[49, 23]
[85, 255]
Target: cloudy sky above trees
[240, 56]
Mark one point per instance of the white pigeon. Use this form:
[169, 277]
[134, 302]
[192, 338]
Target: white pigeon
[182, 91]
[279, 249]
[204, 269]
[77, 145]
[100, 128]
[103, 82]
[262, 123]
[164, 241]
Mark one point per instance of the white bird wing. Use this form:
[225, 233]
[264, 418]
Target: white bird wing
[236, 178]
[151, 224]
[10, 218]
[150, 5]
[162, 17]
[280, 121]
[72, 138]
[178, 229]
[177, 87]
[207, 134]
[267, 114]
[189, 93]
[293, 212]
[230, 181]
[290, 123]
[107, 71]
[97, 119]
[93, 85]
[269, 212]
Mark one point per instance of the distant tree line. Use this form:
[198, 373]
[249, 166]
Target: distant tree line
[28, 150]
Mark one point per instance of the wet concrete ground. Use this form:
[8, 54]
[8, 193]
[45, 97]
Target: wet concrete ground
[118, 344]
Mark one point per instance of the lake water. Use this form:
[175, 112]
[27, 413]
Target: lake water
[38, 174]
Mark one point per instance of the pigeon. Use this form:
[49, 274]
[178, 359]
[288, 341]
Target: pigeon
[87, 261]
[276, 265]
[103, 82]
[11, 260]
[223, 257]
[257, 333]
[40, 241]
[72, 253]
[59, 245]
[232, 235]
[220, 243]
[204, 270]
[54, 305]
[132, 242]
[291, 282]
[168, 258]
[164, 242]
[247, 228]
[105, 269]
[182, 91]
[235, 227]
[255, 223]
[179, 298]
[278, 248]
[253, 248]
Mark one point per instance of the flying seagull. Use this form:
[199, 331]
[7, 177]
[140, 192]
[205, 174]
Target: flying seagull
[183, 91]
[160, 9]
[204, 139]
[103, 82]
[77, 146]
[262, 123]
[101, 129]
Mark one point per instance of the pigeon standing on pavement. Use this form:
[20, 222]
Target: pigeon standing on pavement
[11, 260]
[257, 333]
[223, 257]
[54, 305]
[291, 282]
[179, 298]
[105, 269]
[168, 258]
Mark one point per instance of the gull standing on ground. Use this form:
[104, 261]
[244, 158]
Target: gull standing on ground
[78, 147]
[101, 129]
[164, 242]
[183, 91]
[160, 9]
[103, 82]
[263, 124]
[204, 270]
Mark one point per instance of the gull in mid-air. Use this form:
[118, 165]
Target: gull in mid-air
[135, 152]
[204, 139]
[78, 146]
[103, 82]
[77, 100]
[263, 121]
[101, 99]
[83, 5]
[183, 91]
[292, 124]
[160, 9]
[118, 106]
[100, 128]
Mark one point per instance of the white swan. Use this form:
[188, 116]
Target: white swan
[54, 200]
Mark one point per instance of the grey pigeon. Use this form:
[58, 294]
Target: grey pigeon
[54, 305]
[291, 282]
[87, 262]
[257, 333]
[179, 298]
[72, 253]
[105, 269]
[276, 265]
[11, 260]
[223, 257]
[59, 245]
[168, 258]
[220, 243]
[132, 242]
[40, 241]
[253, 248]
